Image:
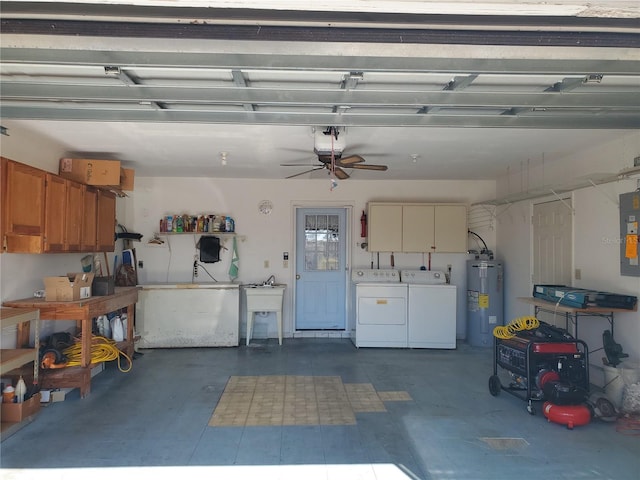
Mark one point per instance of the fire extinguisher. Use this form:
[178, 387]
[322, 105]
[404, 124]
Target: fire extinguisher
[363, 225]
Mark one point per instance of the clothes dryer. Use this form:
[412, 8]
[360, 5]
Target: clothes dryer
[380, 309]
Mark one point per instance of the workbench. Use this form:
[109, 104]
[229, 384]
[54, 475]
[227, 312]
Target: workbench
[83, 311]
[573, 312]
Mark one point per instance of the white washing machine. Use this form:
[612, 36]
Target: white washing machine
[431, 309]
[380, 309]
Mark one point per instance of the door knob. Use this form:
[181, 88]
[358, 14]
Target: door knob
[298, 277]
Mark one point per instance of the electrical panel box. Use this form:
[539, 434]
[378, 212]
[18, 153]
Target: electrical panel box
[629, 234]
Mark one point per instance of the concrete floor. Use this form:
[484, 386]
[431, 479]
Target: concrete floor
[155, 422]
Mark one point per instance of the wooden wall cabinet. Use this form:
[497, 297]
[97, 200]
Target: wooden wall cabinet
[74, 217]
[106, 221]
[417, 227]
[89, 219]
[23, 200]
[45, 213]
[54, 214]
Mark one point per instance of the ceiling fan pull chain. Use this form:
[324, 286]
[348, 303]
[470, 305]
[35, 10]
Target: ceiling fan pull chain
[332, 170]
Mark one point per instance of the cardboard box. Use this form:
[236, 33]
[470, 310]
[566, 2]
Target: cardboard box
[127, 176]
[91, 172]
[16, 412]
[73, 286]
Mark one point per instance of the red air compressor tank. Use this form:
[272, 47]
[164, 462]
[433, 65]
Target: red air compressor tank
[569, 415]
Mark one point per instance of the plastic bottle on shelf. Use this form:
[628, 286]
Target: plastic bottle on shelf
[229, 224]
[21, 390]
[179, 224]
[169, 224]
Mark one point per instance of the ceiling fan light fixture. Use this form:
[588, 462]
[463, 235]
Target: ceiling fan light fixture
[325, 144]
[414, 157]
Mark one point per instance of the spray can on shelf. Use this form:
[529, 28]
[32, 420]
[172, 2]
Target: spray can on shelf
[8, 394]
[169, 224]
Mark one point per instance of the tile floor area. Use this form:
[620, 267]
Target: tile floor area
[437, 421]
[296, 400]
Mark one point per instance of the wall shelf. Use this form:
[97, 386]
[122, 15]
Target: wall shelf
[577, 183]
[222, 235]
[217, 234]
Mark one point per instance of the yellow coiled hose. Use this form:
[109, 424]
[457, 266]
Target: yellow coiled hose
[517, 325]
[102, 350]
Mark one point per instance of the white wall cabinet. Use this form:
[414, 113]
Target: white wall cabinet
[385, 227]
[417, 227]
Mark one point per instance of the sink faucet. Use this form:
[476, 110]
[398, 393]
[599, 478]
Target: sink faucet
[270, 281]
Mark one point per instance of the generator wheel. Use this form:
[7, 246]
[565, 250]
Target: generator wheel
[494, 385]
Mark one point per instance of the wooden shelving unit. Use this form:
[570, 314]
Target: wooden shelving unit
[13, 358]
[13, 361]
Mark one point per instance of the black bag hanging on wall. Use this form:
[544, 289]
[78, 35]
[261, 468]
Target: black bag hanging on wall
[209, 249]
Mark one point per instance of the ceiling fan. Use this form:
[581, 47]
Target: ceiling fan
[329, 149]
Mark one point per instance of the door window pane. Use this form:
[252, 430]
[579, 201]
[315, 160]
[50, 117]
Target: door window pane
[321, 249]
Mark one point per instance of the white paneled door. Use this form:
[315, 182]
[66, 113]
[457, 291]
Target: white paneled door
[552, 247]
[552, 223]
[320, 269]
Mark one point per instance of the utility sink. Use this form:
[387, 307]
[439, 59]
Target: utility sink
[264, 298]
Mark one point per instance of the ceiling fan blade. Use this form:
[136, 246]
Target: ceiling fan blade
[306, 171]
[341, 174]
[360, 166]
[351, 159]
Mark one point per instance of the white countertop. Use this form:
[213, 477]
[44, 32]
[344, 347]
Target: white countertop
[210, 285]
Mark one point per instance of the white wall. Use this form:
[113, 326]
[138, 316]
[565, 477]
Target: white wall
[265, 237]
[595, 249]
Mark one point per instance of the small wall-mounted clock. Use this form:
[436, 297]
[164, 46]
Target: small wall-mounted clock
[265, 207]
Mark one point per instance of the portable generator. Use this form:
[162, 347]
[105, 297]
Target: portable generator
[543, 364]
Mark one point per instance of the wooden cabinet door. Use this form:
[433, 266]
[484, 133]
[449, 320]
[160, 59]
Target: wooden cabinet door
[418, 228]
[3, 190]
[106, 219]
[89, 220]
[55, 212]
[385, 228]
[451, 228]
[23, 200]
[74, 216]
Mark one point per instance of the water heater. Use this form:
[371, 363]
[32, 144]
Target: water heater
[485, 300]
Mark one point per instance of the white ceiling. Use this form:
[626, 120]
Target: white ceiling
[172, 98]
